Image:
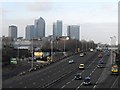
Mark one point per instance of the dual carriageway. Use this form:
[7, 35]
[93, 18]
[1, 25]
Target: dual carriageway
[61, 74]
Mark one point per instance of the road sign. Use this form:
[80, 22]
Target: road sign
[13, 61]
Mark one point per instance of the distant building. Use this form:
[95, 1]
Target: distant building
[39, 28]
[57, 29]
[73, 31]
[13, 31]
[30, 32]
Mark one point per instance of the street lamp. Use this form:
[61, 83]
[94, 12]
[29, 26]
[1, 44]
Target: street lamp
[111, 48]
[65, 38]
[64, 45]
[18, 50]
[51, 49]
[76, 45]
[86, 44]
[32, 54]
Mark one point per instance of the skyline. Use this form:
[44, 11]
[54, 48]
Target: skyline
[93, 17]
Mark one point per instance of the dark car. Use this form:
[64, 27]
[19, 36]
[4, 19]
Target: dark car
[78, 76]
[101, 61]
[87, 81]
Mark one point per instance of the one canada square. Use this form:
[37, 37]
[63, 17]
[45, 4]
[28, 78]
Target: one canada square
[39, 28]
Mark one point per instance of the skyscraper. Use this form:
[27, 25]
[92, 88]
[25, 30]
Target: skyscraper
[13, 31]
[57, 29]
[30, 32]
[73, 31]
[39, 28]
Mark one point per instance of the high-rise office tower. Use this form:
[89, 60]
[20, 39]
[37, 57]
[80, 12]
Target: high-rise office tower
[39, 28]
[57, 28]
[13, 31]
[73, 31]
[30, 32]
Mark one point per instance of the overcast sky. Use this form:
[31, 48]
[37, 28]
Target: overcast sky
[97, 18]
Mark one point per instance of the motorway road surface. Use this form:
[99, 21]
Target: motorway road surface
[90, 70]
[67, 71]
[46, 75]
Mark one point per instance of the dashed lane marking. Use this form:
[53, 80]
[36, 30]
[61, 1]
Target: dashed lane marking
[114, 82]
[68, 82]
[63, 86]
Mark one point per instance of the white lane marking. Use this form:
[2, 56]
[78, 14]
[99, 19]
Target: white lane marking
[114, 82]
[72, 79]
[82, 72]
[63, 86]
[68, 82]
[90, 73]
[94, 86]
[79, 86]
[93, 71]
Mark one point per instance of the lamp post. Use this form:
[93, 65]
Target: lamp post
[51, 49]
[18, 49]
[32, 54]
[82, 42]
[111, 48]
[64, 45]
[76, 45]
[86, 44]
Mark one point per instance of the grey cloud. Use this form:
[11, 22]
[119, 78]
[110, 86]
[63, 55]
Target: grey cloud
[40, 6]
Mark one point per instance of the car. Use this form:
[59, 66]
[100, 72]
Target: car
[71, 61]
[81, 54]
[101, 62]
[87, 81]
[91, 50]
[99, 66]
[81, 66]
[78, 76]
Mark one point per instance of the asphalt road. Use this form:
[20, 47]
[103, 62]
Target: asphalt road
[48, 74]
[112, 82]
[90, 70]
[61, 75]
[11, 72]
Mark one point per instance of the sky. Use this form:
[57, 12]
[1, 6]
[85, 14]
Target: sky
[98, 19]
